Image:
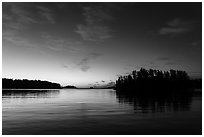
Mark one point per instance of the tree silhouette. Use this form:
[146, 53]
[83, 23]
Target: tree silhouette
[28, 84]
[154, 80]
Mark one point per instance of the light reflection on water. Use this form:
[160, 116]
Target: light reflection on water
[98, 111]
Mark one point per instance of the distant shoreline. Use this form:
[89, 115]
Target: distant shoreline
[195, 89]
[28, 89]
[50, 89]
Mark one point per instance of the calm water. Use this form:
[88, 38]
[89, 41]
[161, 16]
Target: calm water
[98, 111]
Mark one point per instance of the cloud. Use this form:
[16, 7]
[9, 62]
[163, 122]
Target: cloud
[84, 63]
[97, 14]
[165, 31]
[19, 15]
[47, 14]
[65, 66]
[109, 84]
[14, 39]
[85, 68]
[60, 44]
[94, 55]
[176, 27]
[94, 32]
[96, 20]
[15, 16]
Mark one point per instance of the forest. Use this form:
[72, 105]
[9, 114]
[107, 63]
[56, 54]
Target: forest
[156, 81]
[28, 84]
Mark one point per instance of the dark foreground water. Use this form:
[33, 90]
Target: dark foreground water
[98, 111]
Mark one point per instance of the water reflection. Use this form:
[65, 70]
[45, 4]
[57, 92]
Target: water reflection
[156, 103]
[29, 93]
[98, 112]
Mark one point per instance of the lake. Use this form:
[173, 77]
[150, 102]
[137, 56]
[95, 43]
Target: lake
[98, 112]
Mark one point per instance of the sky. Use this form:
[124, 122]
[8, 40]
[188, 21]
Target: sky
[91, 44]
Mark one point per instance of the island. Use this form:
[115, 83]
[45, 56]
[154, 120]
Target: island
[70, 86]
[156, 81]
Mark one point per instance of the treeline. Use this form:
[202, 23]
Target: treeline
[156, 80]
[28, 84]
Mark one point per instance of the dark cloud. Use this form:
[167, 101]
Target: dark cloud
[84, 63]
[177, 26]
[85, 68]
[103, 81]
[65, 66]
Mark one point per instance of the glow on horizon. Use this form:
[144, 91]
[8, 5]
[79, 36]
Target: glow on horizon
[85, 44]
